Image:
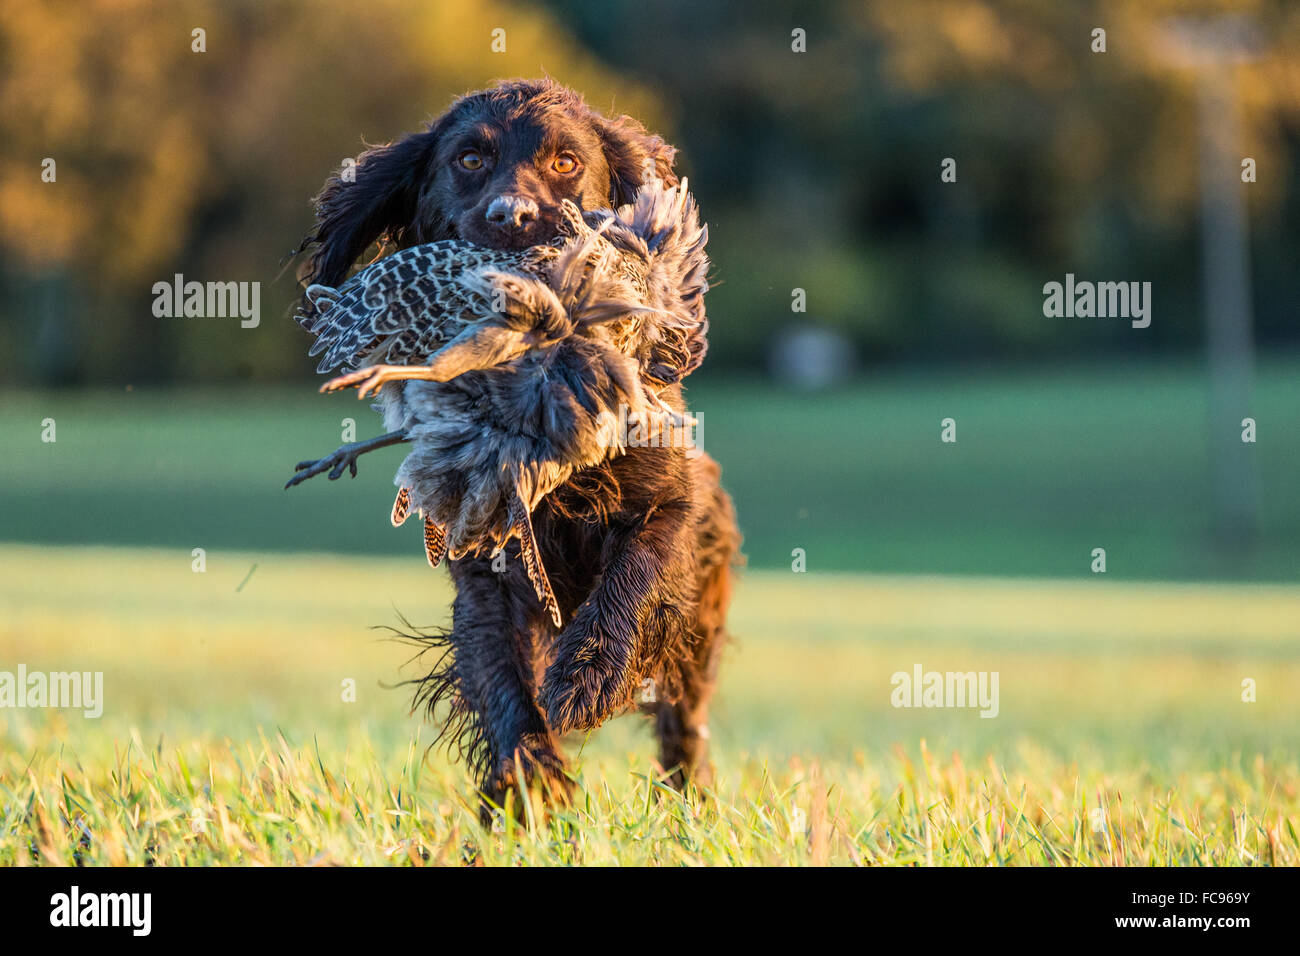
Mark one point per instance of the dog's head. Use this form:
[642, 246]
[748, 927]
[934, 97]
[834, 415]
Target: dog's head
[493, 170]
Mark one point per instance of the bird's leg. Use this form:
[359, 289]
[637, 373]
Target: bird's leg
[478, 347]
[345, 457]
[369, 380]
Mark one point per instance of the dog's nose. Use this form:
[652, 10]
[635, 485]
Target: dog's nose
[512, 211]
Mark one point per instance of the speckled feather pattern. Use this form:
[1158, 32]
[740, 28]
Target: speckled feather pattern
[602, 318]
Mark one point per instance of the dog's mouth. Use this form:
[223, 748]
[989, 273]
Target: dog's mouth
[472, 228]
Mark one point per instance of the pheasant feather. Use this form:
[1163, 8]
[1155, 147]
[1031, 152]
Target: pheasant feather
[510, 370]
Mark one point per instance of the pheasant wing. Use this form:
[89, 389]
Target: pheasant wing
[402, 308]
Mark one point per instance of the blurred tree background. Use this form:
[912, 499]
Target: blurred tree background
[817, 170]
[174, 161]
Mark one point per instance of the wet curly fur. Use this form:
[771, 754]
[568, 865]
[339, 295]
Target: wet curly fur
[640, 548]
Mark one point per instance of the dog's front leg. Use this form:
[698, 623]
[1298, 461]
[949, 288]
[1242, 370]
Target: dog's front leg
[594, 668]
[495, 624]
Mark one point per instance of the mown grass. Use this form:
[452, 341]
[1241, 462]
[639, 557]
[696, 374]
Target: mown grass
[1121, 739]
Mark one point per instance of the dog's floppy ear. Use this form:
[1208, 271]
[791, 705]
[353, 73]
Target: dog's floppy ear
[377, 198]
[634, 155]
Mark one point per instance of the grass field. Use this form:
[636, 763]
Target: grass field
[1048, 465]
[1121, 735]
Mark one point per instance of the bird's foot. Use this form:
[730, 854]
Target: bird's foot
[336, 462]
[343, 458]
[367, 380]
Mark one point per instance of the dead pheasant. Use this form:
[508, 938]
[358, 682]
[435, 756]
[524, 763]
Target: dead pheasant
[510, 370]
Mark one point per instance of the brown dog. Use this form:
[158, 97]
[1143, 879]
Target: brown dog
[640, 549]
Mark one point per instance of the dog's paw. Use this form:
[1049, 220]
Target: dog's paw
[543, 770]
[581, 695]
[537, 758]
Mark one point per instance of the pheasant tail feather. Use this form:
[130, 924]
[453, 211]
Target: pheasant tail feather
[401, 507]
[435, 542]
[522, 524]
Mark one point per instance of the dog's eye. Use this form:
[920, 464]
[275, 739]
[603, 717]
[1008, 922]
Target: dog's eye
[564, 164]
[471, 159]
